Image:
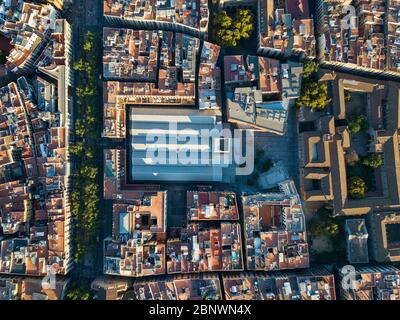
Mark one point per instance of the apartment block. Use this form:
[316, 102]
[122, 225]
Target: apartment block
[34, 202]
[204, 248]
[180, 14]
[393, 35]
[29, 288]
[137, 245]
[139, 62]
[210, 206]
[209, 82]
[312, 284]
[29, 26]
[363, 33]
[285, 27]
[194, 287]
[260, 90]
[275, 231]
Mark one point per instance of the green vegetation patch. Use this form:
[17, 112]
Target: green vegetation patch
[361, 173]
[357, 188]
[85, 194]
[78, 293]
[228, 31]
[323, 224]
[373, 161]
[313, 93]
[357, 123]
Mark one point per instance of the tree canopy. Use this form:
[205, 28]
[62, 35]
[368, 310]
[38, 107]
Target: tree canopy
[79, 294]
[323, 224]
[85, 190]
[323, 228]
[357, 188]
[313, 95]
[357, 123]
[374, 161]
[310, 68]
[228, 30]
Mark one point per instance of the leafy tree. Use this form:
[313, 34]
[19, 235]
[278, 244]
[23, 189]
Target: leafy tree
[226, 38]
[309, 69]
[89, 120]
[326, 227]
[89, 154]
[357, 188]
[313, 95]
[323, 224]
[89, 42]
[228, 31]
[374, 161]
[354, 127]
[80, 129]
[90, 36]
[82, 91]
[82, 65]
[88, 45]
[222, 20]
[79, 294]
[88, 172]
[357, 123]
[77, 148]
[243, 23]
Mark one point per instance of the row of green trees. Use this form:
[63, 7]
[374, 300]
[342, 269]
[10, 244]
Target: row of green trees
[228, 31]
[85, 195]
[314, 94]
